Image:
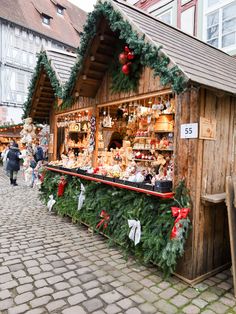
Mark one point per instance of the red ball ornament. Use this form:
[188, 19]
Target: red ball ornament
[122, 58]
[126, 69]
[127, 49]
[130, 56]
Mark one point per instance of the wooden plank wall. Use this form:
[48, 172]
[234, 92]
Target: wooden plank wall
[205, 165]
[147, 84]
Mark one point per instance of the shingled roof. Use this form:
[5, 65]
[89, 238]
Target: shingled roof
[27, 13]
[62, 63]
[51, 73]
[199, 61]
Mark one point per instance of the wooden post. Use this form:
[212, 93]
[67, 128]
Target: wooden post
[231, 207]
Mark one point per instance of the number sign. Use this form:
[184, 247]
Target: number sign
[189, 130]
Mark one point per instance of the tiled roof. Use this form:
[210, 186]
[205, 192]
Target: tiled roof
[27, 13]
[61, 62]
[199, 61]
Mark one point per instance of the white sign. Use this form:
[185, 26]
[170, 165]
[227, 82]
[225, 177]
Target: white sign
[189, 130]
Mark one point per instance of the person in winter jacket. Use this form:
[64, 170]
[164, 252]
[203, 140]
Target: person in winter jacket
[13, 164]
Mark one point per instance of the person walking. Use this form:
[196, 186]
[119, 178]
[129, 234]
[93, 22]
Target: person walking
[13, 163]
[4, 158]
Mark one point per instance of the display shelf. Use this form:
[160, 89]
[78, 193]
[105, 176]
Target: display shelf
[156, 149]
[81, 132]
[146, 160]
[118, 185]
[163, 131]
[142, 137]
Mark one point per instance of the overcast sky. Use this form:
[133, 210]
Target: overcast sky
[86, 5]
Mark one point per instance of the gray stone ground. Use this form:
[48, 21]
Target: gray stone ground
[49, 265]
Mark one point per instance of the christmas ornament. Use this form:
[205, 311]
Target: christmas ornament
[105, 219]
[92, 134]
[61, 186]
[135, 232]
[180, 213]
[122, 58]
[126, 69]
[50, 203]
[127, 49]
[130, 56]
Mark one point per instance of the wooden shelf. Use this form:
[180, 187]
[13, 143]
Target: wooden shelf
[146, 160]
[82, 132]
[149, 149]
[214, 198]
[164, 131]
[118, 185]
[142, 137]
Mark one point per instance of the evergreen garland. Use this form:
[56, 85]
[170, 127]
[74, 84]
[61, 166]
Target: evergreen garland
[150, 55]
[120, 81]
[154, 214]
[42, 62]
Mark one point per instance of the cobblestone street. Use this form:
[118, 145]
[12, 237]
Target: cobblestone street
[49, 265]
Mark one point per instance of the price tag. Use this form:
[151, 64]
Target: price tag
[189, 130]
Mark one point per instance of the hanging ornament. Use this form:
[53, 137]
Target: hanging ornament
[50, 203]
[127, 49]
[81, 197]
[61, 186]
[105, 219]
[130, 55]
[180, 213]
[126, 68]
[122, 58]
[135, 232]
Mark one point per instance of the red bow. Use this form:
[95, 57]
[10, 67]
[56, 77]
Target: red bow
[61, 186]
[180, 213]
[105, 219]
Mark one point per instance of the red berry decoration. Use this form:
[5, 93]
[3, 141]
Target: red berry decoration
[130, 56]
[127, 49]
[126, 69]
[122, 58]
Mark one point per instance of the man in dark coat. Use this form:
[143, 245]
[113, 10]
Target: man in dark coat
[13, 164]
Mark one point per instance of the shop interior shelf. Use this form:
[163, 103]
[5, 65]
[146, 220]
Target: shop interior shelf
[115, 184]
[146, 160]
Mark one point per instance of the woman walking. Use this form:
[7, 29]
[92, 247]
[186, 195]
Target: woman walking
[13, 164]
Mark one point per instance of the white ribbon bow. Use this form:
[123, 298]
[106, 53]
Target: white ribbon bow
[81, 198]
[135, 232]
[51, 202]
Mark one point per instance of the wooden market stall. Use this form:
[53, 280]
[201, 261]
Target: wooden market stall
[176, 76]
[52, 71]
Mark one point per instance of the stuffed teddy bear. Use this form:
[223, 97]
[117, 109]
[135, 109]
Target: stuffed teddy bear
[28, 131]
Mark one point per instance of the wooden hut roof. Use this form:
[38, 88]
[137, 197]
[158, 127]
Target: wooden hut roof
[199, 61]
[61, 62]
[52, 70]
[195, 60]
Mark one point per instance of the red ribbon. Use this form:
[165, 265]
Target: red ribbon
[105, 219]
[180, 213]
[61, 186]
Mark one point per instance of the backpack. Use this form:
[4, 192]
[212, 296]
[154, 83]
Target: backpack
[39, 154]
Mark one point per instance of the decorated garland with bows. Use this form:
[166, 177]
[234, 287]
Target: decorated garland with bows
[149, 228]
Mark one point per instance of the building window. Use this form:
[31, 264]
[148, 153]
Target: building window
[187, 20]
[212, 2]
[45, 19]
[166, 17]
[60, 10]
[221, 25]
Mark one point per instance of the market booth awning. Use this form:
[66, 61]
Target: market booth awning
[174, 85]
[51, 73]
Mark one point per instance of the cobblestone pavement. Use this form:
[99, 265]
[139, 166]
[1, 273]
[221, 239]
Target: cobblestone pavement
[49, 265]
